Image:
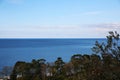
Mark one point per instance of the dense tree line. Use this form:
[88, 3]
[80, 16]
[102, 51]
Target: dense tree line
[103, 64]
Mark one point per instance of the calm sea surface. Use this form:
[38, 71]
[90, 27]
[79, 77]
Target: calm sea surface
[12, 50]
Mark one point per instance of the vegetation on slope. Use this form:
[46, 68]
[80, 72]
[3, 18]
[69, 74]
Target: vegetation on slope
[104, 64]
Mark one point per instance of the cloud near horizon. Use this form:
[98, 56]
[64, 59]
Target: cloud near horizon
[88, 31]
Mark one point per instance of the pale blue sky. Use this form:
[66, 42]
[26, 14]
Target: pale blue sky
[58, 18]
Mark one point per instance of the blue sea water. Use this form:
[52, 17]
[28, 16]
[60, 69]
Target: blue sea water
[13, 50]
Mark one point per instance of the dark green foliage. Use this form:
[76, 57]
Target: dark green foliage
[103, 65]
[110, 54]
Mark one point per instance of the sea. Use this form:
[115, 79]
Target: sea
[13, 50]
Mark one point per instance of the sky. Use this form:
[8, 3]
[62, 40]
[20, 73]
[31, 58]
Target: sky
[58, 18]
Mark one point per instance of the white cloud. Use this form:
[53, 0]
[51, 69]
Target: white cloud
[103, 29]
[108, 26]
[63, 31]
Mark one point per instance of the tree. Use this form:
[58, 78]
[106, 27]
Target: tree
[112, 47]
[38, 68]
[110, 54]
[77, 60]
[18, 69]
[59, 64]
